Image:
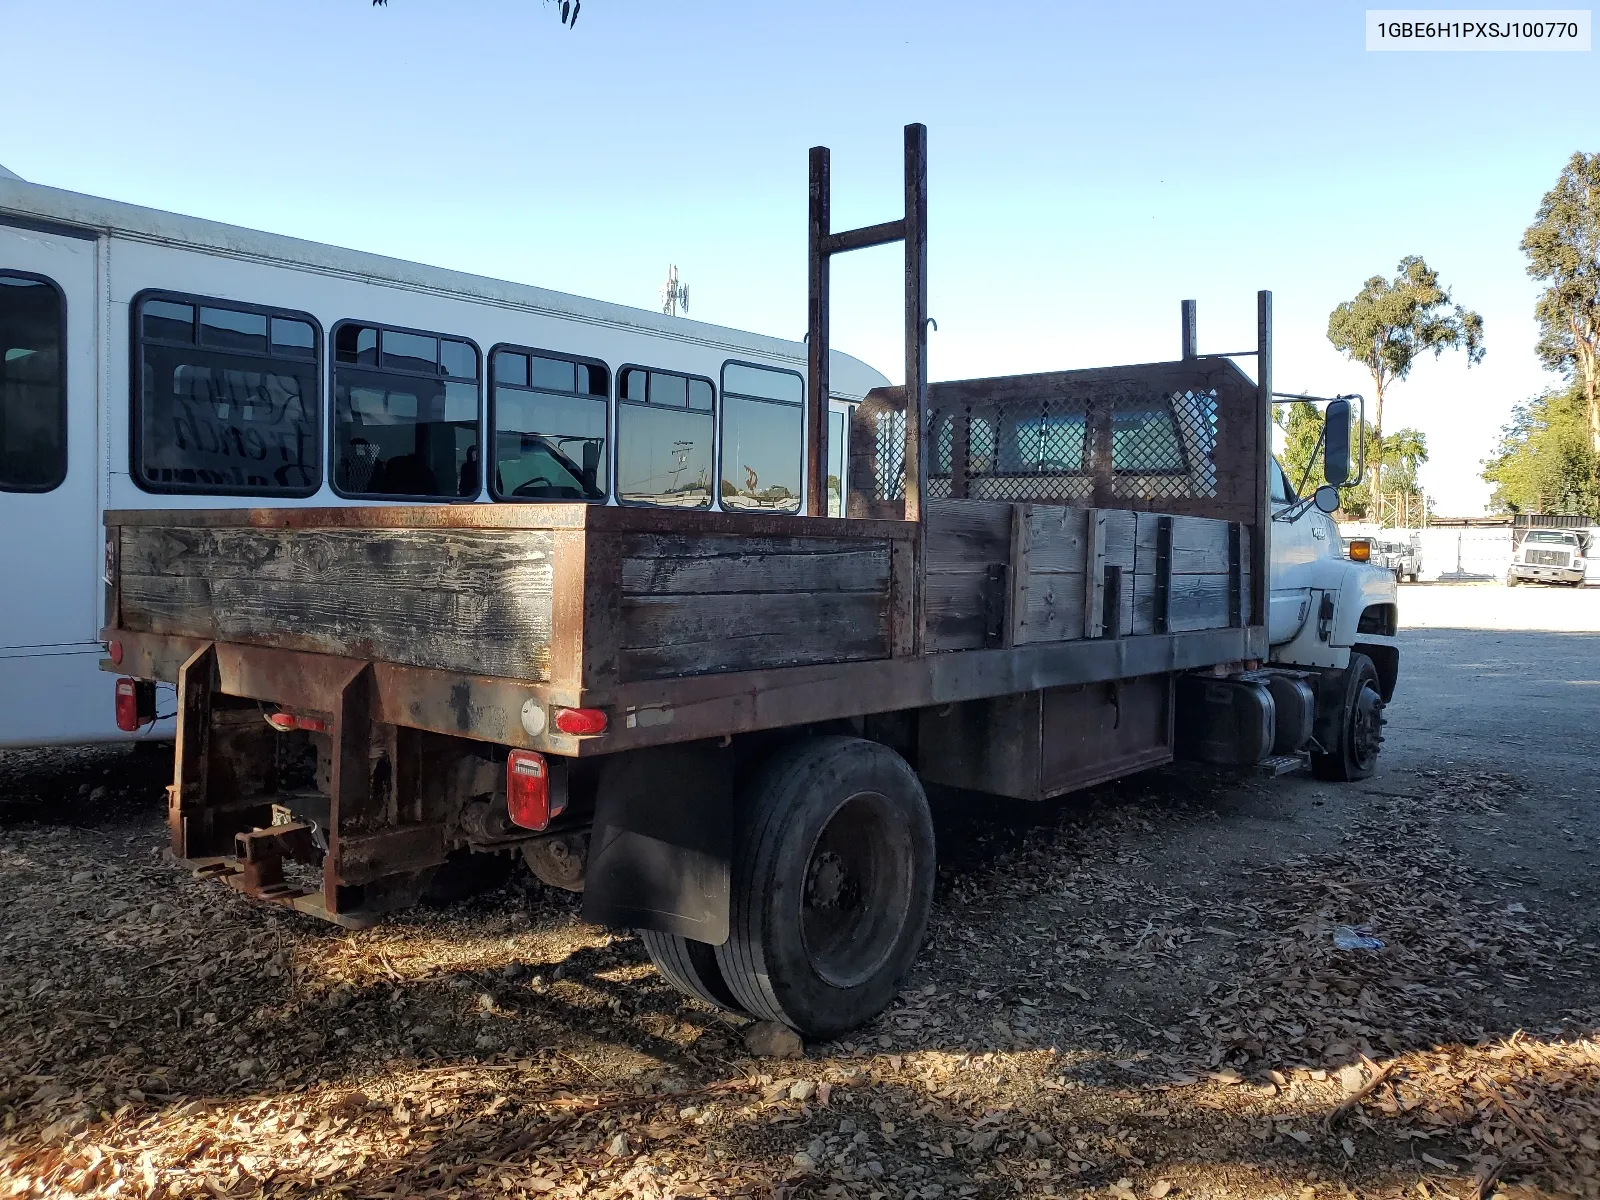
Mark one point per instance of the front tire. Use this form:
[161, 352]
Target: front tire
[1354, 754]
[832, 884]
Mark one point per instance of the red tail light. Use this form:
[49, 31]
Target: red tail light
[136, 704]
[287, 722]
[528, 790]
[579, 721]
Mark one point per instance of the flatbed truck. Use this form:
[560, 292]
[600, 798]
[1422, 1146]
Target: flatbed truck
[720, 726]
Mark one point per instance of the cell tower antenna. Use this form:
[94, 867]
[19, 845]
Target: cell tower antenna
[674, 295]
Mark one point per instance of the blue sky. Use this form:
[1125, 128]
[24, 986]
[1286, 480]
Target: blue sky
[1089, 166]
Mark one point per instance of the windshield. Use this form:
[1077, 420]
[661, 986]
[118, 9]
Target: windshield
[1550, 535]
[1282, 493]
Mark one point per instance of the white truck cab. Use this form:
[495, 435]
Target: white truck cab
[1548, 556]
[1336, 617]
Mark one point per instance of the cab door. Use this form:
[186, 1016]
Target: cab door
[50, 596]
[1294, 550]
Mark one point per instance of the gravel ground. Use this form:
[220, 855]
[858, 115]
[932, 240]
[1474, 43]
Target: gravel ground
[1138, 992]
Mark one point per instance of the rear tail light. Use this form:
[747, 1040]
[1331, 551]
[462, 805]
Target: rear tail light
[528, 790]
[579, 721]
[114, 652]
[136, 704]
[287, 722]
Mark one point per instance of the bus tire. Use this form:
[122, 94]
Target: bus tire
[1354, 754]
[832, 885]
[691, 967]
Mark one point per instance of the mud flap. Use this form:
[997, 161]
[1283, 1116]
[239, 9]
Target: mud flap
[661, 842]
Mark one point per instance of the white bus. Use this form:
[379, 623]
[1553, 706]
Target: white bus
[152, 360]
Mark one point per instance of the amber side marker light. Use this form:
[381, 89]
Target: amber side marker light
[1360, 550]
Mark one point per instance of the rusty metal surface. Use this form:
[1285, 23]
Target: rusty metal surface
[483, 708]
[226, 870]
[544, 515]
[260, 854]
[660, 712]
[362, 858]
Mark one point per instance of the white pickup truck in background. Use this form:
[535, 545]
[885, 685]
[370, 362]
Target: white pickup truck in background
[1549, 556]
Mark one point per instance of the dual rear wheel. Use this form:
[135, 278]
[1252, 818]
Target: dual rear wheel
[832, 883]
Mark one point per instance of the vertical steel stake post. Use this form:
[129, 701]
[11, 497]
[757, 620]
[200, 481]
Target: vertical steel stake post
[1261, 544]
[916, 388]
[817, 338]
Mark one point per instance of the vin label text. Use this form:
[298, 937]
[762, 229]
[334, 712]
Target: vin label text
[1478, 29]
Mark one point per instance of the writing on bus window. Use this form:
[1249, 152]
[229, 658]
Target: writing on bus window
[229, 399]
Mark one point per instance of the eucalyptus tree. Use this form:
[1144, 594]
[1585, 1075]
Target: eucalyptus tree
[1390, 323]
[1563, 249]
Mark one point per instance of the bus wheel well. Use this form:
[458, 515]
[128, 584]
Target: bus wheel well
[1387, 660]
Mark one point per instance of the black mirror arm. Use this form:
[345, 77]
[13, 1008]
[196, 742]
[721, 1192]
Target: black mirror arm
[1292, 512]
[1305, 477]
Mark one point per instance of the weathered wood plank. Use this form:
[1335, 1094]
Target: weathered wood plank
[657, 564]
[665, 636]
[1055, 608]
[953, 610]
[902, 599]
[500, 633]
[1094, 558]
[965, 535]
[1017, 572]
[1108, 541]
[1193, 602]
[451, 560]
[1199, 545]
[1056, 535]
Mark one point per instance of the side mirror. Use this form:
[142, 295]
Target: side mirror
[1326, 499]
[1336, 444]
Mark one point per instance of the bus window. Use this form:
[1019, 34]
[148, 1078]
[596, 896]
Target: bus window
[405, 414]
[836, 461]
[664, 431]
[229, 398]
[548, 426]
[33, 391]
[762, 450]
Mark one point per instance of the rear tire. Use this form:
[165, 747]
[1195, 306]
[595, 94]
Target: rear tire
[1355, 752]
[832, 884]
[691, 967]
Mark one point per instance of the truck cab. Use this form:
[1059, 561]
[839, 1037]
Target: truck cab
[1548, 556]
[1336, 616]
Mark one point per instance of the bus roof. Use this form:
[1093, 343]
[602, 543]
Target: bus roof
[38, 205]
